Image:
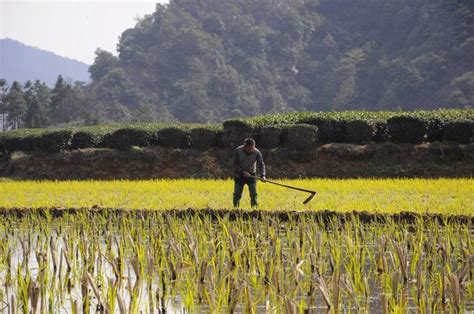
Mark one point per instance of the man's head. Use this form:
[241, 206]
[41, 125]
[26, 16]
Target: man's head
[249, 145]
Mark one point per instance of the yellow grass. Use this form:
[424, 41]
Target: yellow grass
[447, 196]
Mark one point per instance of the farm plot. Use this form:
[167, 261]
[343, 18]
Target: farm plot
[156, 261]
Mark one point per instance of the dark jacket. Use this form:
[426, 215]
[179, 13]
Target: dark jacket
[248, 162]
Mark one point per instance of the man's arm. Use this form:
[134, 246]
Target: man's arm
[237, 168]
[261, 165]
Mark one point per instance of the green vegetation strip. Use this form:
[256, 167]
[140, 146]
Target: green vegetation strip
[455, 125]
[388, 196]
[299, 117]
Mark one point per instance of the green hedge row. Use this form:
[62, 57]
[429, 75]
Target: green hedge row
[363, 126]
[296, 130]
[50, 141]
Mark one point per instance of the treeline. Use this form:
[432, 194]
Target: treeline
[301, 131]
[35, 105]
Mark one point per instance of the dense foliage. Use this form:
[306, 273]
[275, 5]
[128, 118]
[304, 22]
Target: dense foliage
[210, 60]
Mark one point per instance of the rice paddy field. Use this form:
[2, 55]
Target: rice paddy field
[178, 246]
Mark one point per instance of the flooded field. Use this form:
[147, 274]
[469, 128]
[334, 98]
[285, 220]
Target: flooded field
[195, 261]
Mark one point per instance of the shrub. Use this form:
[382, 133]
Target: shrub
[235, 131]
[330, 130]
[124, 139]
[381, 132]
[270, 136]
[300, 136]
[406, 129]
[19, 143]
[3, 150]
[220, 138]
[204, 138]
[359, 131]
[173, 137]
[435, 129]
[459, 131]
[238, 123]
[12, 144]
[51, 142]
[107, 141]
[86, 139]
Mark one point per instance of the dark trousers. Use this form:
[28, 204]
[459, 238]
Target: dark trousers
[239, 187]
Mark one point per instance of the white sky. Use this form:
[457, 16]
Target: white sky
[73, 29]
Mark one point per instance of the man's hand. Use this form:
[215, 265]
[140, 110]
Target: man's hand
[263, 179]
[246, 174]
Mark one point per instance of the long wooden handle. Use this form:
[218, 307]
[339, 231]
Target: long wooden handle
[286, 186]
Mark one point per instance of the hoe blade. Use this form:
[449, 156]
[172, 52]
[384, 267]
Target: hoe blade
[306, 201]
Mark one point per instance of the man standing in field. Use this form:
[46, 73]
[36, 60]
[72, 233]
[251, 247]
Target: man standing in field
[247, 159]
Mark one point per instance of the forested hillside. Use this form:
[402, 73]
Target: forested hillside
[207, 60]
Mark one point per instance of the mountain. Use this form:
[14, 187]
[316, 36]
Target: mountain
[208, 60]
[19, 62]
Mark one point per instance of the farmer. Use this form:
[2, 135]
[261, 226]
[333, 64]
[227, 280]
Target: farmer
[247, 159]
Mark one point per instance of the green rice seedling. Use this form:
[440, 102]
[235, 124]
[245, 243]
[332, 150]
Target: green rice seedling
[455, 293]
[23, 288]
[442, 275]
[349, 288]
[149, 279]
[34, 296]
[112, 287]
[135, 296]
[90, 281]
[85, 294]
[402, 256]
[324, 292]
[250, 306]
[121, 303]
[8, 276]
[3, 301]
[336, 263]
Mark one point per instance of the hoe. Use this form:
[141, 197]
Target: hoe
[306, 201]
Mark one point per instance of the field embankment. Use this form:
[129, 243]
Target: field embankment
[347, 144]
[334, 160]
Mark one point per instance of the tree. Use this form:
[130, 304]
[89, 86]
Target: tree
[37, 105]
[103, 63]
[61, 108]
[3, 107]
[15, 105]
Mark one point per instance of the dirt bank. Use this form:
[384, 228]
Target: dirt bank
[327, 161]
[324, 216]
